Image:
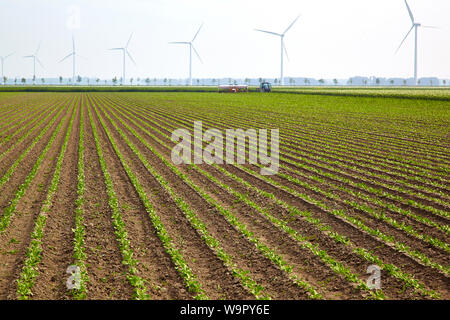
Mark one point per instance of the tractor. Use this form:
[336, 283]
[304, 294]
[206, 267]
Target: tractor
[265, 87]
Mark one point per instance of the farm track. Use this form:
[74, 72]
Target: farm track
[343, 199]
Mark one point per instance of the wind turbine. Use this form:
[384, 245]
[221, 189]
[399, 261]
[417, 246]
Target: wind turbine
[125, 50]
[191, 47]
[283, 47]
[35, 58]
[73, 54]
[3, 60]
[415, 26]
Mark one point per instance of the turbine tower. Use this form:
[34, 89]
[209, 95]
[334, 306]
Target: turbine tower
[415, 26]
[73, 54]
[283, 47]
[3, 60]
[35, 58]
[191, 47]
[125, 50]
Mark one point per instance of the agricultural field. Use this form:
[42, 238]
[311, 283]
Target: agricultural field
[87, 180]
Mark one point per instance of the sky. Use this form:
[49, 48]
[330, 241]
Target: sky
[331, 39]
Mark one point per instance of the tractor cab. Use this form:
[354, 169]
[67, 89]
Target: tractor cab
[265, 87]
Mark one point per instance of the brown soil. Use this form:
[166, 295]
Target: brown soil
[432, 277]
[16, 238]
[107, 273]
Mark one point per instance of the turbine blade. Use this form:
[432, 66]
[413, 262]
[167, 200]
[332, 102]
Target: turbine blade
[66, 57]
[404, 38]
[39, 61]
[116, 49]
[431, 27]
[76, 54]
[197, 33]
[409, 11]
[285, 51]
[28, 56]
[198, 56]
[274, 33]
[178, 42]
[128, 42]
[290, 26]
[129, 55]
[37, 50]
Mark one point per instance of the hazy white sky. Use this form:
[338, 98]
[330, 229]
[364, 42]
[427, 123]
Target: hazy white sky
[332, 39]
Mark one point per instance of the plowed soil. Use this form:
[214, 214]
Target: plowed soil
[300, 231]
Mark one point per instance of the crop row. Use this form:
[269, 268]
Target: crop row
[233, 220]
[79, 231]
[140, 291]
[148, 133]
[30, 269]
[329, 141]
[24, 122]
[323, 167]
[213, 243]
[290, 114]
[394, 223]
[323, 159]
[30, 131]
[153, 129]
[10, 209]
